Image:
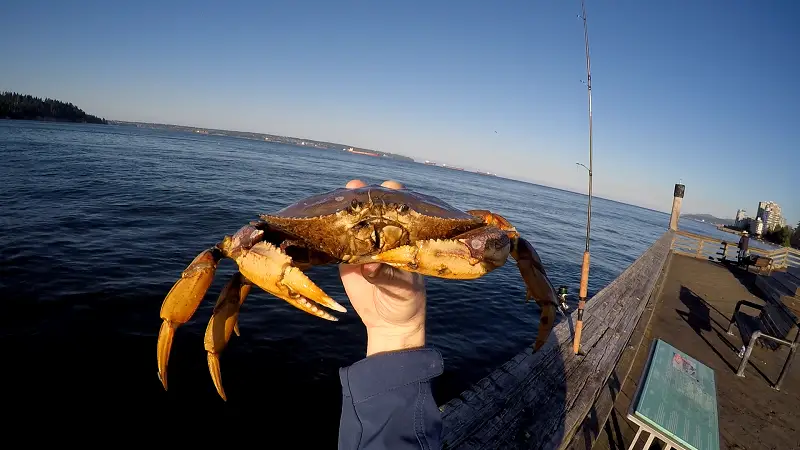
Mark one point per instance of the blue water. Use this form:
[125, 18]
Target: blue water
[99, 221]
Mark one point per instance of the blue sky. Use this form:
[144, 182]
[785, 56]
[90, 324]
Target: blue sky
[699, 91]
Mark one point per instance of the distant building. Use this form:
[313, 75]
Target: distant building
[741, 219]
[770, 214]
[757, 227]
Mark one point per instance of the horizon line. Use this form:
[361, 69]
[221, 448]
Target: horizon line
[535, 183]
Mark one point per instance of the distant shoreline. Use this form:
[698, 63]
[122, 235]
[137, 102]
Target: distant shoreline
[15, 106]
[264, 137]
[51, 119]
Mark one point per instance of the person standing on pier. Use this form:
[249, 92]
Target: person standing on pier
[744, 242]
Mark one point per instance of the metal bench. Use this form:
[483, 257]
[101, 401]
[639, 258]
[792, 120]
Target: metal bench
[770, 329]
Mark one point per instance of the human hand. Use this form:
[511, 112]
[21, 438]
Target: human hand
[390, 301]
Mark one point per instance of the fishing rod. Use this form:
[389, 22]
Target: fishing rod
[576, 345]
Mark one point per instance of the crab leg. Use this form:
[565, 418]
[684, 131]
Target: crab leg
[182, 301]
[532, 270]
[244, 290]
[539, 286]
[271, 269]
[222, 323]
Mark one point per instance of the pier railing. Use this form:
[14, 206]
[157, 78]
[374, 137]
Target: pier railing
[542, 400]
[713, 249]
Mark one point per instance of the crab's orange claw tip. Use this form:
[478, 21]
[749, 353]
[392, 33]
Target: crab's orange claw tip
[165, 336]
[331, 303]
[236, 329]
[216, 374]
[299, 282]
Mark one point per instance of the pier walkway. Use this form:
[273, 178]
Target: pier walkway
[692, 313]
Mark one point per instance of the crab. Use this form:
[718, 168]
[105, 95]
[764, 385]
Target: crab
[405, 229]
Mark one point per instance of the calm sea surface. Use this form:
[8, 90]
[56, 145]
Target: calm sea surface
[99, 221]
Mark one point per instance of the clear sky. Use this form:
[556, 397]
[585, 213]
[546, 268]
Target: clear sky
[704, 92]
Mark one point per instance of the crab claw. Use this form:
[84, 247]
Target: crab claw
[530, 266]
[538, 286]
[222, 323]
[182, 301]
[269, 268]
[469, 255]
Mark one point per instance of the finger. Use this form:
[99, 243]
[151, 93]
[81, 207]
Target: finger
[370, 270]
[355, 285]
[396, 282]
[349, 270]
[392, 184]
[354, 184]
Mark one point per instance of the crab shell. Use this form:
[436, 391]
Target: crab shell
[350, 224]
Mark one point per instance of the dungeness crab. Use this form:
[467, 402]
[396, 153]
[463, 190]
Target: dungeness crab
[404, 229]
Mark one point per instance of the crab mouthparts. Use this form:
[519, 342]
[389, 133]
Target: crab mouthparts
[388, 237]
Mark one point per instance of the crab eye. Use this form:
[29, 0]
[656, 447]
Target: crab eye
[402, 209]
[355, 204]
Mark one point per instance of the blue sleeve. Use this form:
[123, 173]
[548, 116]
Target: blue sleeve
[387, 402]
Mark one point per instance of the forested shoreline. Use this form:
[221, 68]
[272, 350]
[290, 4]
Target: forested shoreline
[16, 106]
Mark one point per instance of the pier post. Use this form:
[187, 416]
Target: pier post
[676, 206]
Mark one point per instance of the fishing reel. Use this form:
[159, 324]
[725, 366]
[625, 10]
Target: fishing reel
[563, 307]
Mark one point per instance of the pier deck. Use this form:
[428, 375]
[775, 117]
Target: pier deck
[692, 313]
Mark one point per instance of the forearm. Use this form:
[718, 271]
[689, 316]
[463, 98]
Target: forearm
[387, 401]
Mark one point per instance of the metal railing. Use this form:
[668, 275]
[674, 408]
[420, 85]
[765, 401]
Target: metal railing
[713, 249]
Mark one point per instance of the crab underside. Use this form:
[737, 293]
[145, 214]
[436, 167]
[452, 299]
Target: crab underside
[399, 227]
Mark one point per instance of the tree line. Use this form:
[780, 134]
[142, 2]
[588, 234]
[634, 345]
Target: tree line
[795, 239]
[785, 236]
[27, 107]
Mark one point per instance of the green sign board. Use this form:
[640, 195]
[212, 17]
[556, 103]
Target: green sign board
[679, 398]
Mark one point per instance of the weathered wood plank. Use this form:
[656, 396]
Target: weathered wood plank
[590, 428]
[775, 293]
[579, 411]
[791, 283]
[532, 371]
[538, 400]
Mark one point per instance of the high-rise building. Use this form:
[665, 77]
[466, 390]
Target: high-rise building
[770, 214]
[741, 219]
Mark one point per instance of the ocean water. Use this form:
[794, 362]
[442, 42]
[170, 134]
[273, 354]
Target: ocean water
[99, 221]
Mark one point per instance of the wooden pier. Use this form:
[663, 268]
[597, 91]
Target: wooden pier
[693, 313]
[683, 290]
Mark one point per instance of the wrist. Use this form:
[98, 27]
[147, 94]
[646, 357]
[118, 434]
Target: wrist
[381, 340]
